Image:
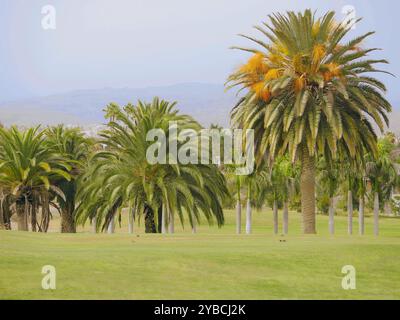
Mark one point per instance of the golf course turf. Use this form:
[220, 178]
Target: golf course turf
[213, 264]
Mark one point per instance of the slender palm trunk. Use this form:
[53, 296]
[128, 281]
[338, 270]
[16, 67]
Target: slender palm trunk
[131, 221]
[2, 215]
[308, 192]
[94, 224]
[248, 217]
[171, 226]
[285, 217]
[350, 212]
[159, 219]
[33, 217]
[376, 213]
[46, 214]
[275, 213]
[331, 216]
[111, 226]
[22, 215]
[238, 217]
[194, 223]
[164, 220]
[361, 215]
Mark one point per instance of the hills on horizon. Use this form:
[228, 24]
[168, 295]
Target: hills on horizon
[207, 103]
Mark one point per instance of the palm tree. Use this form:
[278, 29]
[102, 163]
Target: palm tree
[307, 93]
[257, 185]
[350, 186]
[361, 191]
[235, 185]
[238, 205]
[281, 185]
[382, 175]
[28, 171]
[329, 179]
[121, 175]
[73, 146]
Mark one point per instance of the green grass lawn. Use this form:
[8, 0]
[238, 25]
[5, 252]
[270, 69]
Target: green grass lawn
[213, 264]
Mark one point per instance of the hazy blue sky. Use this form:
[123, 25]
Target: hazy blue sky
[139, 43]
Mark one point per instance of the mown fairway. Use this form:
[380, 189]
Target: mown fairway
[213, 264]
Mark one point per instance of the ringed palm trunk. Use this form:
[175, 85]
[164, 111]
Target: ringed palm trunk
[238, 217]
[307, 182]
[376, 213]
[285, 218]
[361, 215]
[67, 220]
[248, 217]
[275, 214]
[331, 216]
[350, 212]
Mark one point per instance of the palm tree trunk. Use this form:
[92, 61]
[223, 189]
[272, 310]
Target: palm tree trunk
[150, 226]
[350, 212]
[194, 227]
[22, 215]
[33, 217]
[248, 217]
[376, 213]
[2, 215]
[171, 226]
[94, 224]
[361, 215]
[285, 218]
[46, 214]
[308, 192]
[111, 226]
[238, 217]
[331, 216]
[275, 214]
[164, 220]
[67, 220]
[159, 219]
[131, 221]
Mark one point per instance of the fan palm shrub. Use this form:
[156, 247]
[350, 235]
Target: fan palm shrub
[73, 146]
[28, 172]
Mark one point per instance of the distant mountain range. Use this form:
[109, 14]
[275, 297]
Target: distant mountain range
[207, 103]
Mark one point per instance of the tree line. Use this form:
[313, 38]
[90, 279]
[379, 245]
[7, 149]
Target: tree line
[310, 96]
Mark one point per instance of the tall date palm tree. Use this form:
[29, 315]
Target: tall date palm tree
[308, 93]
